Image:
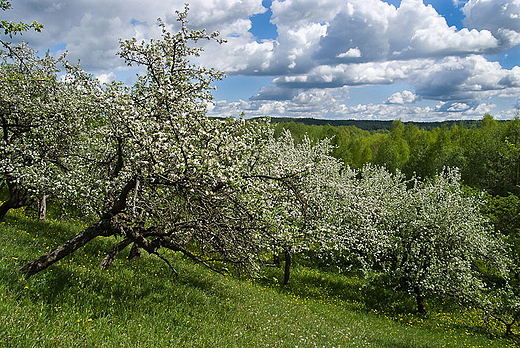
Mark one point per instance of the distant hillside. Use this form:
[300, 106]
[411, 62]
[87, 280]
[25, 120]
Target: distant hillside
[370, 124]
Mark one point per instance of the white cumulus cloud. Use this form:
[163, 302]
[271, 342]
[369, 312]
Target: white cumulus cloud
[322, 48]
[501, 17]
[404, 97]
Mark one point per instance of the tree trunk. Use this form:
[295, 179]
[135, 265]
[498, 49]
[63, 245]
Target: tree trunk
[102, 228]
[421, 309]
[287, 271]
[276, 260]
[111, 256]
[42, 209]
[135, 252]
[4, 208]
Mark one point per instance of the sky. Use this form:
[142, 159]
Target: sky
[414, 60]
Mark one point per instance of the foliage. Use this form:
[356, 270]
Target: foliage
[297, 184]
[163, 175]
[367, 125]
[158, 174]
[485, 151]
[43, 119]
[423, 238]
[12, 28]
[393, 153]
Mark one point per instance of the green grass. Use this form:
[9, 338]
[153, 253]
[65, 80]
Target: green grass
[140, 303]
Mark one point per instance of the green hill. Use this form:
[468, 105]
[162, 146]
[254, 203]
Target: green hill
[140, 303]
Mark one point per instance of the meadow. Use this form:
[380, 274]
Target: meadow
[141, 303]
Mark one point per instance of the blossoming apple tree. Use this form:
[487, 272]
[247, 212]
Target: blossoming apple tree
[42, 119]
[425, 238]
[160, 173]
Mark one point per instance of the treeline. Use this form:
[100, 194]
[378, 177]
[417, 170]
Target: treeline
[370, 125]
[486, 151]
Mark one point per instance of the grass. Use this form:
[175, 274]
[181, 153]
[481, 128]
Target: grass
[140, 303]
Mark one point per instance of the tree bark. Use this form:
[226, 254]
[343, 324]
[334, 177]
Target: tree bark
[102, 228]
[42, 208]
[135, 252]
[111, 256]
[105, 227]
[276, 260]
[287, 270]
[421, 309]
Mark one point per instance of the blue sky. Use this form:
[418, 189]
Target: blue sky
[416, 60]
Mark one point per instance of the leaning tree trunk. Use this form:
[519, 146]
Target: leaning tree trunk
[135, 252]
[102, 228]
[105, 228]
[111, 256]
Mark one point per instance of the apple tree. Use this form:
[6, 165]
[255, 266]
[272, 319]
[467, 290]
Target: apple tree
[158, 172]
[42, 117]
[429, 239]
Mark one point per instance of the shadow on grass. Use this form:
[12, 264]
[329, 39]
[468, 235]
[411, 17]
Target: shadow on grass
[349, 289]
[356, 295]
[43, 229]
[130, 284]
[148, 282]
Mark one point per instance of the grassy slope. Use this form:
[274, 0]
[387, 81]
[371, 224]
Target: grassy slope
[141, 304]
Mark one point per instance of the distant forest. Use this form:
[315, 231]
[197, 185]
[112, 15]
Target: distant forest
[372, 125]
[486, 151]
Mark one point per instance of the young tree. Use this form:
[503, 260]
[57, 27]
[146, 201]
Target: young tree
[12, 28]
[297, 183]
[394, 152]
[434, 236]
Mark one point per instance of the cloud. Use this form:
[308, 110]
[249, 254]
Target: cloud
[329, 76]
[501, 17]
[351, 53]
[459, 3]
[469, 78]
[316, 103]
[329, 104]
[405, 97]
[106, 78]
[322, 48]
[274, 93]
[452, 107]
[330, 44]
[91, 28]
[451, 78]
[370, 28]
[329, 33]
